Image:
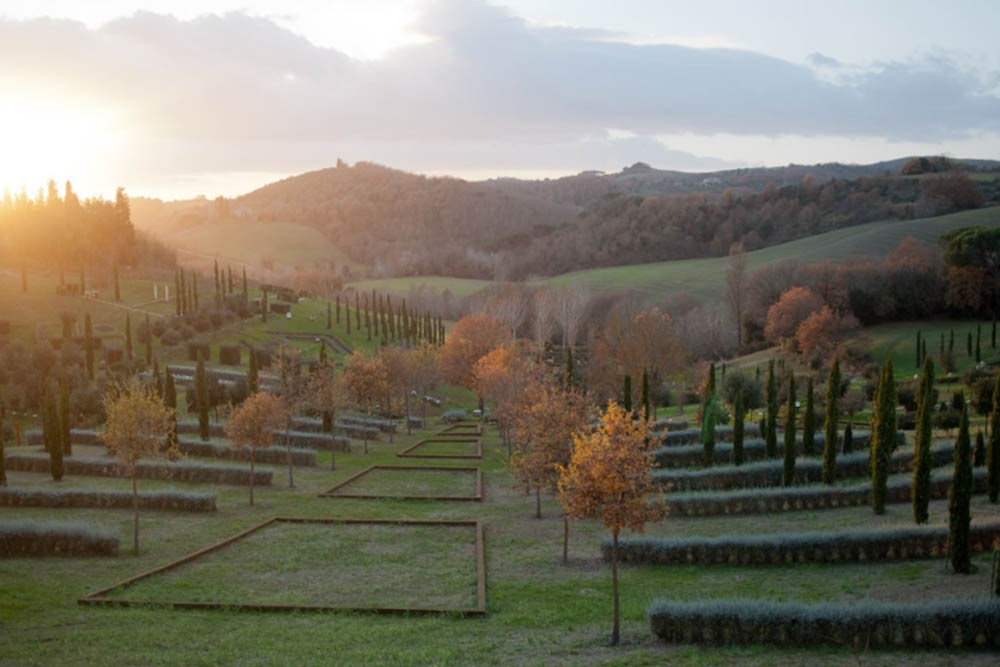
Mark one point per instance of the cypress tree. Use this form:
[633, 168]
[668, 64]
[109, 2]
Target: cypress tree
[979, 451]
[771, 398]
[790, 452]
[201, 398]
[149, 342]
[917, 355]
[848, 438]
[941, 346]
[357, 312]
[114, 274]
[246, 293]
[229, 272]
[194, 289]
[647, 413]
[627, 392]
[218, 283]
[253, 379]
[951, 340]
[920, 493]
[968, 343]
[170, 400]
[51, 433]
[376, 314]
[329, 316]
[830, 424]
[570, 380]
[157, 378]
[338, 309]
[263, 306]
[182, 294]
[739, 416]
[883, 437]
[128, 337]
[979, 354]
[809, 421]
[88, 344]
[993, 333]
[993, 448]
[64, 412]
[178, 294]
[958, 501]
[708, 432]
[923, 350]
[348, 309]
[392, 317]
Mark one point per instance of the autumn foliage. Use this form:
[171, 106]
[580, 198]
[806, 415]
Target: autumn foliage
[789, 311]
[470, 339]
[254, 423]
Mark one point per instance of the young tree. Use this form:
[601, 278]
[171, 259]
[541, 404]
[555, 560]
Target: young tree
[993, 448]
[920, 494]
[254, 424]
[88, 344]
[170, 401]
[325, 393]
[809, 421]
[469, 340]
[771, 425]
[608, 477]
[501, 376]
[830, 424]
[883, 438]
[789, 476]
[137, 423]
[201, 398]
[959, 497]
[743, 393]
[52, 433]
[253, 374]
[367, 380]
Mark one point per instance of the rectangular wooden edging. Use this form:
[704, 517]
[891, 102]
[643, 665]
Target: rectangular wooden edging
[97, 598]
[476, 497]
[463, 429]
[411, 451]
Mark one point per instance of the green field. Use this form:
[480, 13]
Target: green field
[539, 610]
[704, 279]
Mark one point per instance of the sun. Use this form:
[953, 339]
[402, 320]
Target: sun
[43, 138]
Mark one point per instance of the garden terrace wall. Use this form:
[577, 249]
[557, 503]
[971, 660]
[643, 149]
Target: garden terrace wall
[786, 548]
[770, 473]
[272, 455]
[177, 471]
[820, 497]
[692, 456]
[102, 597]
[77, 498]
[20, 539]
[323, 441]
[945, 624]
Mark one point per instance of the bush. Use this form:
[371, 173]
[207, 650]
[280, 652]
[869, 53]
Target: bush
[158, 326]
[170, 337]
[944, 624]
[55, 538]
[178, 471]
[196, 347]
[76, 498]
[230, 355]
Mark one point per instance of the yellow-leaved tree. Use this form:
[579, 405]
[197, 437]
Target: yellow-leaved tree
[137, 425]
[254, 424]
[608, 478]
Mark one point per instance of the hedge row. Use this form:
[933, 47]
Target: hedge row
[770, 473]
[178, 471]
[783, 499]
[55, 538]
[785, 548]
[323, 441]
[383, 425]
[78, 436]
[945, 624]
[189, 428]
[150, 500]
[754, 449]
[276, 455]
[691, 436]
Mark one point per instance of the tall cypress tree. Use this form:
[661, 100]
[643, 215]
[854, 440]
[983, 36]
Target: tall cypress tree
[771, 425]
[968, 343]
[920, 493]
[263, 305]
[739, 418]
[917, 355]
[848, 438]
[88, 345]
[647, 413]
[830, 424]
[118, 292]
[329, 316]
[570, 371]
[993, 448]
[789, 471]
[149, 342]
[979, 451]
[338, 309]
[979, 353]
[883, 437]
[201, 398]
[357, 312]
[51, 433]
[809, 421]
[253, 375]
[170, 400]
[246, 293]
[128, 337]
[64, 413]
[627, 393]
[959, 497]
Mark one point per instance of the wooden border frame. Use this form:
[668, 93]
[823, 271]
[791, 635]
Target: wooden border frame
[461, 428]
[98, 598]
[476, 497]
[409, 452]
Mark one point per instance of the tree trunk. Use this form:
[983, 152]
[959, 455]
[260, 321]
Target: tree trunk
[135, 521]
[615, 629]
[252, 451]
[538, 502]
[565, 538]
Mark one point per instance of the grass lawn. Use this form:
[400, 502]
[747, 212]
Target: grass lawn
[539, 610]
[443, 449]
[411, 482]
[899, 339]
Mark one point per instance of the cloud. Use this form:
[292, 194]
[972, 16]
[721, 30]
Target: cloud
[485, 88]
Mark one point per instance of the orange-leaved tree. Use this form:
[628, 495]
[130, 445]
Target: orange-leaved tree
[471, 338]
[137, 424]
[608, 477]
[254, 424]
[500, 376]
[367, 381]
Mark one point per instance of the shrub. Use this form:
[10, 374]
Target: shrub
[194, 348]
[943, 624]
[178, 471]
[170, 337]
[76, 498]
[55, 538]
[158, 326]
[230, 355]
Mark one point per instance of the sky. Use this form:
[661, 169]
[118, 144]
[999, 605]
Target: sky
[219, 97]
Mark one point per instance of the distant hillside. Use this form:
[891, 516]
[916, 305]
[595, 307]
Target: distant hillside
[392, 223]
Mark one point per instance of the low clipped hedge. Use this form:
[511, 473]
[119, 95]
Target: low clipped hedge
[191, 427]
[177, 501]
[177, 471]
[754, 449]
[25, 538]
[786, 548]
[691, 436]
[305, 439]
[818, 497]
[276, 456]
[770, 473]
[944, 624]
[78, 436]
[355, 431]
[383, 425]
